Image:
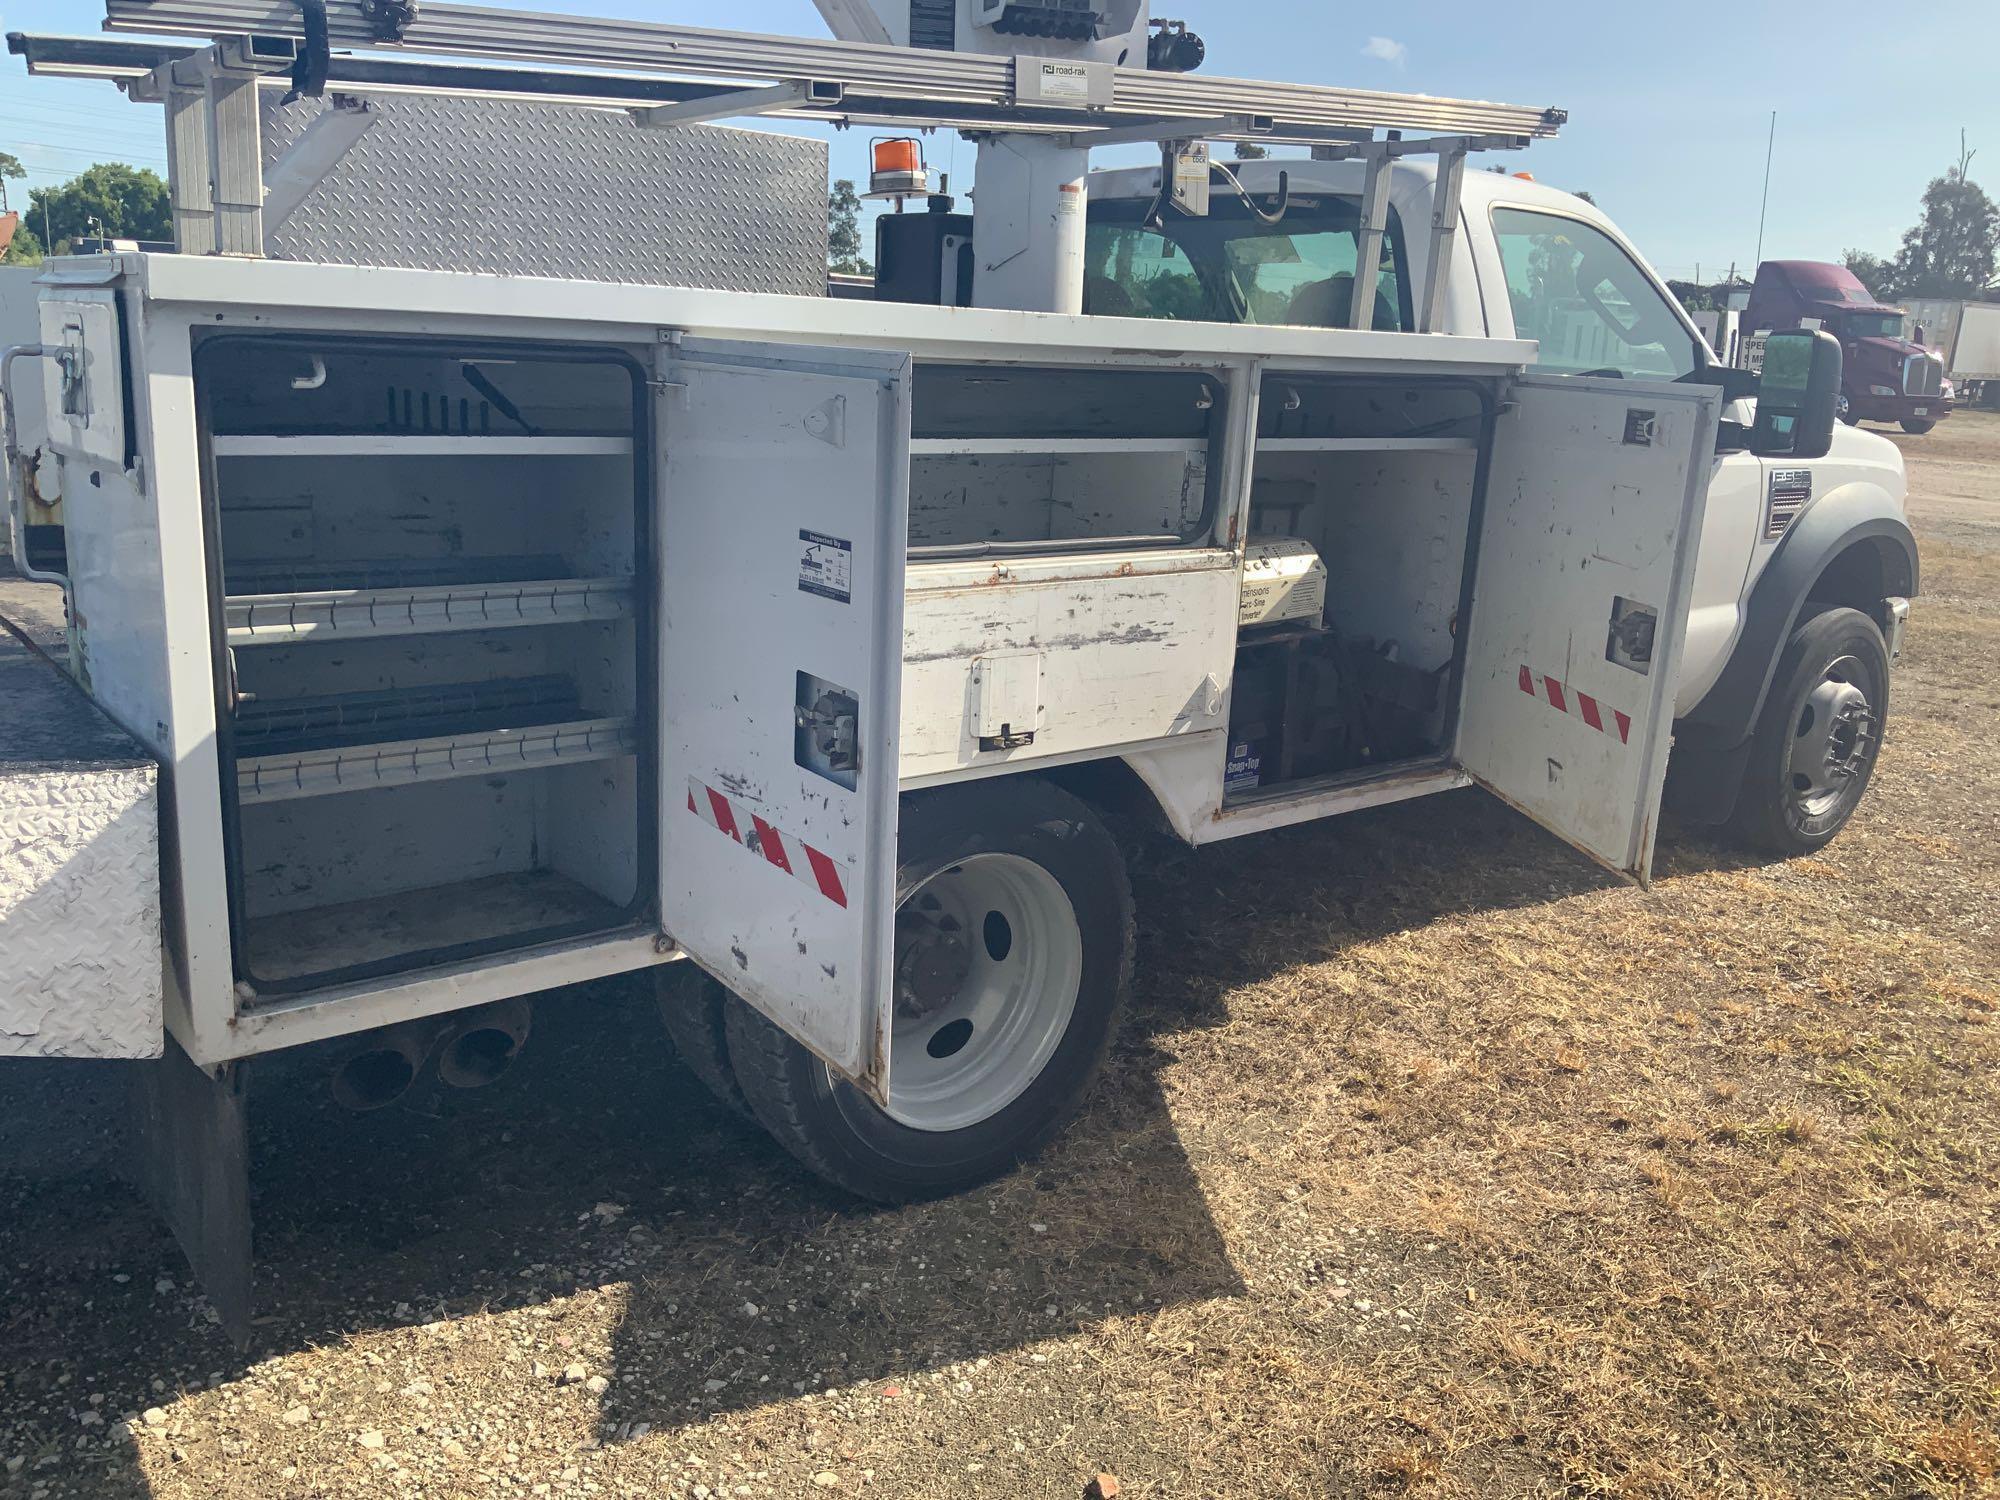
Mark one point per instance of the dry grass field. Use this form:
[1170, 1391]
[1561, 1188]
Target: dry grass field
[1431, 1161]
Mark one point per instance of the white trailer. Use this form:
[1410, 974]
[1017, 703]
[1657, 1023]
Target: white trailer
[1967, 334]
[493, 634]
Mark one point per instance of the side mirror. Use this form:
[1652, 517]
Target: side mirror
[1798, 397]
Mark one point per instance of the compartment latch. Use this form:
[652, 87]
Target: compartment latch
[1630, 640]
[826, 736]
[1006, 699]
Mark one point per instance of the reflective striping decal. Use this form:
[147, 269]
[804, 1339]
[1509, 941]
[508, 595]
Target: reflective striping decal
[1574, 701]
[784, 851]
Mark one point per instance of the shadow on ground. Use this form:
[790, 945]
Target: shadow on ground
[600, 1162]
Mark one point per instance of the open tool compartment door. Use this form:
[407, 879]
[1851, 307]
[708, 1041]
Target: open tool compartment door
[1593, 509]
[784, 502]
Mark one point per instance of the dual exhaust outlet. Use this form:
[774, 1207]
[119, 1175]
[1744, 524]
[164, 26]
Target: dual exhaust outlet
[472, 1049]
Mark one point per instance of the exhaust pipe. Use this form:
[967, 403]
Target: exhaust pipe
[383, 1065]
[479, 1045]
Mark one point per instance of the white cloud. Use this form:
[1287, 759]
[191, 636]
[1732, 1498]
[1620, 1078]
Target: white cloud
[1386, 49]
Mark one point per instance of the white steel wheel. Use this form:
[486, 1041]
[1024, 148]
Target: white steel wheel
[1012, 951]
[988, 960]
[1815, 746]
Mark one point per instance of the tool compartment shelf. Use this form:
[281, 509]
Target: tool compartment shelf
[283, 774]
[434, 635]
[1051, 459]
[378, 929]
[389, 445]
[267, 618]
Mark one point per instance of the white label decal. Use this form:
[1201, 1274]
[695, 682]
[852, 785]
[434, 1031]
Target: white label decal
[1065, 81]
[826, 566]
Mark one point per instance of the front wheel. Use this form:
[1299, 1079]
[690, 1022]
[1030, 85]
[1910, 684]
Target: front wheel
[1815, 744]
[1013, 947]
[1917, 426]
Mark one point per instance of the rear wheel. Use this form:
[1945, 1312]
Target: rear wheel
[1815, 745]
[1013, 948]
[692, 1006]
[1917, 426]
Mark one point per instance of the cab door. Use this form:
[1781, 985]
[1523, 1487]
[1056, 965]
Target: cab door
[1591, 519]
[783, 522]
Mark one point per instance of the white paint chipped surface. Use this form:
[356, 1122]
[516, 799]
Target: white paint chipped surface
[80, 968]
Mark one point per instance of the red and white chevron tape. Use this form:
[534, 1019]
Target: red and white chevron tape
[1570, 700]
[784, 851]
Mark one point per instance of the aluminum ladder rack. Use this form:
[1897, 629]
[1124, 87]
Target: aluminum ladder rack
[963, 89]
[667, 75]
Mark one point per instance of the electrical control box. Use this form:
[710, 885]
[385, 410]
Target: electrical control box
[1283, 580]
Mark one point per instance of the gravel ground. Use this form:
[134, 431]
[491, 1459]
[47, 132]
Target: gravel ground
[1470, 1175]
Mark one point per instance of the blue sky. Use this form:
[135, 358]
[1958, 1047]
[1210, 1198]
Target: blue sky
[1667, 114]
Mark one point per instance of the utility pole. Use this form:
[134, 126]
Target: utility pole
[1764, 207]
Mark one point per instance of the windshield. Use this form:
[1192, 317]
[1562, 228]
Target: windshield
[1886, 325]
[1231, 267]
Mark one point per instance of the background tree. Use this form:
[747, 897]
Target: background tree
[1692, 295]
[11, 170]
[25, 249]
[1952, 249]
[1249, 151]
[1873, 272]
[130, 203]
[843, 230]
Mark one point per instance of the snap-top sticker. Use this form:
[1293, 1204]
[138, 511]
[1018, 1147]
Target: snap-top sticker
[826, 566]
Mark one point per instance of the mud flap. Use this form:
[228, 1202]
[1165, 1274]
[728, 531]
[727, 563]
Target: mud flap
[191, 1162]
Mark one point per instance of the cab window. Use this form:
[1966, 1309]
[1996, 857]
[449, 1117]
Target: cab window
[1231, 267]
[1586, 302]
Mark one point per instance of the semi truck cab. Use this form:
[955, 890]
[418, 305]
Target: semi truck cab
[1887, 377]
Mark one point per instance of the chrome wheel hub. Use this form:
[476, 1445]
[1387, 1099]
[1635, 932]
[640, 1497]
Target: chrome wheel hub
[1833, 740]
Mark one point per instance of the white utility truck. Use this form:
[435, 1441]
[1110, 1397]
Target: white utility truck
[491, 634]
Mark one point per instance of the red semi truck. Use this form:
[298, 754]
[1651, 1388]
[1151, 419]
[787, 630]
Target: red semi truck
[1886, 377]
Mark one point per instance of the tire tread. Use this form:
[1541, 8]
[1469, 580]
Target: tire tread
[775, 1074]
[1760, 820]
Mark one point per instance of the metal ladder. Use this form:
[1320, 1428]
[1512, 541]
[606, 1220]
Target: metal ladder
[223, 202]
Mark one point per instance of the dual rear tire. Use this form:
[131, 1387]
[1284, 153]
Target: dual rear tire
[1013, 951]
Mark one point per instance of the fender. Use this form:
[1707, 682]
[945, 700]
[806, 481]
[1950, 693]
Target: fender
[1856, 513]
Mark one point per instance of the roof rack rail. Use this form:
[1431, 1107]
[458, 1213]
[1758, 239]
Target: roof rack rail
[667, 75]
[949, 88]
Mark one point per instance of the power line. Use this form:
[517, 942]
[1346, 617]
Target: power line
[34, 147]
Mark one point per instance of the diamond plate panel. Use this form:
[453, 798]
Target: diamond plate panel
[80, 972]
[80, 964]
[506, 187]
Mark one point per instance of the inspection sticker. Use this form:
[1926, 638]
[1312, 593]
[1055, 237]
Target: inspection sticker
[826, 566]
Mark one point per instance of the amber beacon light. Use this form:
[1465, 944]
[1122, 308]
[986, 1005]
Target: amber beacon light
[897, 169]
